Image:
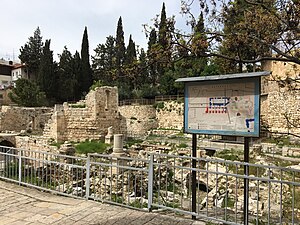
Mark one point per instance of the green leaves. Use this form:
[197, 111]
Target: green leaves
[31, 52]
[27, 94]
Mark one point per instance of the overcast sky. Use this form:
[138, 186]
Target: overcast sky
[63, 21]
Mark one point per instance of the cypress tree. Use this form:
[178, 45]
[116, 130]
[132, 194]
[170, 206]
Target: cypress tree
[153, 73]
[164, 51]
[66, 76]
[120, 45]
[130, 51]
[162, 30]
[77, 73]
[85, 80]
[46, 76]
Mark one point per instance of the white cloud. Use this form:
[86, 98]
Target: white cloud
[63, 21]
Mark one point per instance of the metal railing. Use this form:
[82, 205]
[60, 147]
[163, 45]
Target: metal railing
[162, 98]
[161, 181]
[141, 101]
[144, 101]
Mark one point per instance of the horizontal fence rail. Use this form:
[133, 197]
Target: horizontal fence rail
[274, 191]
[140, 101]
[161, 181]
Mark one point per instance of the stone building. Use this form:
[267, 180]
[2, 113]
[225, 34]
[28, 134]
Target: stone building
[280, 99]
[88, 119]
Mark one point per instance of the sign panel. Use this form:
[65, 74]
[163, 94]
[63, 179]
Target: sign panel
[224, 107]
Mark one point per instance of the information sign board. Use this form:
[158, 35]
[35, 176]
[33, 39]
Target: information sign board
[224, 107]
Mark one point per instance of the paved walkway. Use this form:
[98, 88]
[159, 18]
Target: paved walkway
[21, 205]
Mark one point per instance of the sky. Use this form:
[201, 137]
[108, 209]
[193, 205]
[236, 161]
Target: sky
[63, 22]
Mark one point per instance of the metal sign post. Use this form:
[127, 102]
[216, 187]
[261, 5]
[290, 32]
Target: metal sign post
[194, 186]
[226, 104]
[246, 180]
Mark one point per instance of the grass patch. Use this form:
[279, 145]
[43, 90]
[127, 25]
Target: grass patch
[230, 203]
[159, 105]
[227, 154]
[77, 106]
[57, 144]
[91, 147]
[182, 145]
[138, 204]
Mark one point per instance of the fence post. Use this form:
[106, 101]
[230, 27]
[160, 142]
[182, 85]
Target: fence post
[194, 178]
[150, 182]
[246, 181]
[87, 179]
[20, 166]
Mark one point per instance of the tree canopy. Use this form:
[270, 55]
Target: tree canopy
[225, 37]
[31, 52]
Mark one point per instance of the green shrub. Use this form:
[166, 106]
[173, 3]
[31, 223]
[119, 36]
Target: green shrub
[182, 145]
[96, 84]
[159, 105]
[77, 105]
[91, 147]
[57, 144]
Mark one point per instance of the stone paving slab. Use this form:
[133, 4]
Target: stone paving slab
[27, 206]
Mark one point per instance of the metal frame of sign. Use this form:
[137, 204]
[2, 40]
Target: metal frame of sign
[254, 133]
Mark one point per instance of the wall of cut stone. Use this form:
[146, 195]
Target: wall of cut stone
[280, 102]
[170, 115]
[139, 119]
[37, 143]
[88, 119]
[281, 110]
[14, 118]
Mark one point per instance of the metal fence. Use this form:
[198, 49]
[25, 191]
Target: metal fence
[140, 101]
[144, 101]
[161, 181]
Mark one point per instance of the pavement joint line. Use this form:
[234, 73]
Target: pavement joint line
[35, 197]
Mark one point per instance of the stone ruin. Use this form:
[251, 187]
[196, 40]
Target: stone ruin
[87, 119]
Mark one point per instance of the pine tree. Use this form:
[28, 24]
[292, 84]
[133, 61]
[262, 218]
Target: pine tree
[27, 93]
[47, 80]
[199, 48]
[85, 80]
[104, 62]
[31, 52]
[248, 33]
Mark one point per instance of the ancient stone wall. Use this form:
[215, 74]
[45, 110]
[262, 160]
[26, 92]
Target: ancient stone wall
[139, 119]
[88, 119]
[16, 119]
[170, 115]
[38, 143]
[280, 102]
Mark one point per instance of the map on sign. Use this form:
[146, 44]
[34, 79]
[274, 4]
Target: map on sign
[222, 108]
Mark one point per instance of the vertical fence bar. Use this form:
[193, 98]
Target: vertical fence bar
[87, 179]
[194, 154]
[20, 167]
[150, 182]
[246, 180]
